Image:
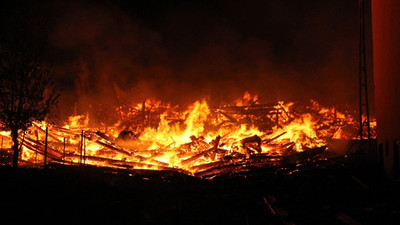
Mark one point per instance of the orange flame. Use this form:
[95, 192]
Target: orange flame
[185, 139]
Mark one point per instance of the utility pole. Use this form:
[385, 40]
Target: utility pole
[363, 85]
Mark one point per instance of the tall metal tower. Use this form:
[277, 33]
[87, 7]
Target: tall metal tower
[363, 85]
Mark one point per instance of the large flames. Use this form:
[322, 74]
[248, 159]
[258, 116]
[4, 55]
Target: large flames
[154, 135]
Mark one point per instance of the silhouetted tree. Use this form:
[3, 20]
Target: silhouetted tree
[27, 93]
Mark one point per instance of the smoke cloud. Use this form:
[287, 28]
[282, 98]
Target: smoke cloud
[106, 53]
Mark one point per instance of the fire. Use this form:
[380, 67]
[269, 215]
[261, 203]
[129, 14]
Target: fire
[155, 135]
[302, 132]
[195, 117]
[247, 99]
[77, 121]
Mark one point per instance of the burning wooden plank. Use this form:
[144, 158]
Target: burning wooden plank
[105, 141]
[257, 161]
[214, 148]
[103, 161]
[247, 143]
[238, 166]
[233, 120]
[274, 138]
[64, 131]
[280, 133]
[38, 147]
[43, 131]
[206, 166]
[114, 148]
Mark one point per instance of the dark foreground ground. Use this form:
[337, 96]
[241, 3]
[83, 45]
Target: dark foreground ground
[334, 192]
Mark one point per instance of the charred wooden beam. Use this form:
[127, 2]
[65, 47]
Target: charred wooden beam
[114, 148]
[301, 156]
[44, 131]
[276, 211]
[252, 139]
[256, 106]
[157, 162]
[274, 138]
[214, 148]
[31, 143]
[247, 142]
[62, 144]
[244, 165]
[105, 136]
[64, 130]
[40, 150]
[233, 120]
[206, 166]
[117, 162]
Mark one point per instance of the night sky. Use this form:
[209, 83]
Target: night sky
[114, 52]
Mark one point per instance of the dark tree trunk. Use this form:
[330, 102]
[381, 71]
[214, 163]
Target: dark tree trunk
[14, 136]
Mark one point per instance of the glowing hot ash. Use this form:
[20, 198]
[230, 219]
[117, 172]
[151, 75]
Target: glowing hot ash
[153, 135]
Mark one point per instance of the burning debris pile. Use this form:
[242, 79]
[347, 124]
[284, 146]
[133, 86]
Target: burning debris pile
[201, 140]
